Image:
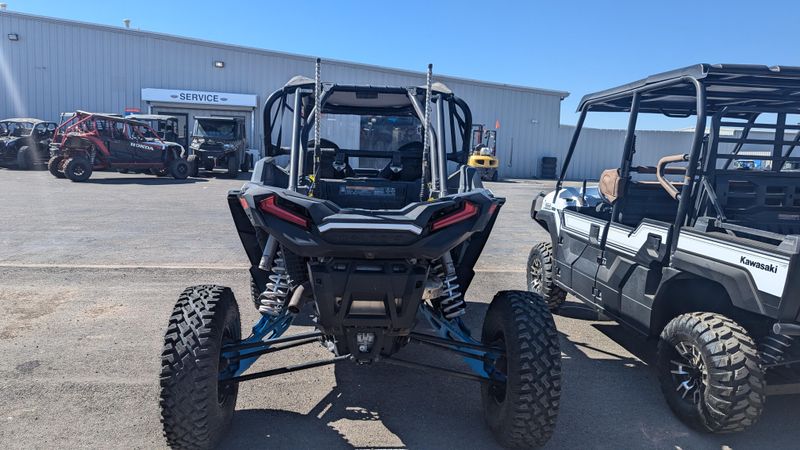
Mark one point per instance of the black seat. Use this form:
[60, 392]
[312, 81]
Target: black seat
[647, 199]
[406, 163]
[333, 164]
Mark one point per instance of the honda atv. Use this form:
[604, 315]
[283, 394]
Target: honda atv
[24, 143]
[380, 245]
[88, 142]
[699, 249]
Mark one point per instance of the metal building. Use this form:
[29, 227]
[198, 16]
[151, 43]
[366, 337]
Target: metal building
[49, 66]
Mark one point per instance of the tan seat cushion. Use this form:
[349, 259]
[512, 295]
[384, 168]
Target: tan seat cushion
[610, 185]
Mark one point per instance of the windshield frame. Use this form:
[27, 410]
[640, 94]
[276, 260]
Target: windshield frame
[198, 127]
[17, 124]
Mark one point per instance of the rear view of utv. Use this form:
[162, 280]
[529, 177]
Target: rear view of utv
[697, 247]
[372, 226]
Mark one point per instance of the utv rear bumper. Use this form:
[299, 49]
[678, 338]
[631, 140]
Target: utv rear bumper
[366, 234]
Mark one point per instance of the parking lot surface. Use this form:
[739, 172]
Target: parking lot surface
[88, 276]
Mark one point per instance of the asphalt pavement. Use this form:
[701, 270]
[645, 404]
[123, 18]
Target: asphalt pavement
[89, 273]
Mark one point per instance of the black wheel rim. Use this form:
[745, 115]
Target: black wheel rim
[535, 280]
[689, 373]
[79, 170]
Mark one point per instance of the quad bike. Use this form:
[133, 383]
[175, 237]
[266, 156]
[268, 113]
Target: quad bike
[381, 246]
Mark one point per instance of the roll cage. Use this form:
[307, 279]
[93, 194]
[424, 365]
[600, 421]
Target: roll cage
[163, 123]
[18, 127]
[100, 124]
[731, 96]
[449, 136]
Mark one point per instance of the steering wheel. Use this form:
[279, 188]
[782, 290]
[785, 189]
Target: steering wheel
[662, 164]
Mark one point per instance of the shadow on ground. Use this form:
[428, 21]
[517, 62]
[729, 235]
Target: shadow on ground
[144, 181]
[610, 395]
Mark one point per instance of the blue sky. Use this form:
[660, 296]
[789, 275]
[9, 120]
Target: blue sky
[567, 45]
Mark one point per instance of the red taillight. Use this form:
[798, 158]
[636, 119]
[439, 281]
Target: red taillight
[270, 206]
[468, 210]
[243, 202]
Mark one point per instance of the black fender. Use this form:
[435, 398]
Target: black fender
[547, 220]
[252, 239]
[269, 172]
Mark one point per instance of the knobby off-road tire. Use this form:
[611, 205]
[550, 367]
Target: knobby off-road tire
[541, 275]
[255, 292]
[77, 169]
[708, 368]
[26, 160]
[194, 166]
[522, 412]
[179, 169]
[247, 163]
[195, 409]
[233, 166]
[53, 166]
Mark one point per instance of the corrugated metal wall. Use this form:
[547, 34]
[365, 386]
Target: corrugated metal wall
[61, 66]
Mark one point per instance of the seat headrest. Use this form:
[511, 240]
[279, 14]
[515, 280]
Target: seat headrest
[610, 185]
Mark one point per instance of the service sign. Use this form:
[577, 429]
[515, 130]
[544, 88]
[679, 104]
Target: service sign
[198, 97]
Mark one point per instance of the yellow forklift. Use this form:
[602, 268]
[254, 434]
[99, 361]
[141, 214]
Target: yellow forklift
[484, 152]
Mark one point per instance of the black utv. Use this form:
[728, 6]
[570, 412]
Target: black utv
[687, 246]
[219, 143]
[378, 247]
[25, 143]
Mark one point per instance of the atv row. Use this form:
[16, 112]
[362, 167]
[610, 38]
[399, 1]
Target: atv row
[89, 141]
[700, 249]
[377, 246]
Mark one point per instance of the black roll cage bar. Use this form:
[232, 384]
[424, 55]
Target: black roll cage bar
[625, 167]
[736, 105]
[457, 109]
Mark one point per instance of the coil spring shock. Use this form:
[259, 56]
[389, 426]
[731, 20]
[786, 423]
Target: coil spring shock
[772, 348]
[272, 301]
[451, 302]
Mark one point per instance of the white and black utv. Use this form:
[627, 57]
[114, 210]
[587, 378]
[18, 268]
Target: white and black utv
[376, 230]
[703, 254]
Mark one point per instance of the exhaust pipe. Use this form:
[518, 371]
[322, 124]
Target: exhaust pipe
[296, 302]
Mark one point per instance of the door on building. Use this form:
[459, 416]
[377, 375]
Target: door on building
[183, 125]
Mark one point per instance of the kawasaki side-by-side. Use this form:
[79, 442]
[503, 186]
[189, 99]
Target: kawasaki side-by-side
[374, 233]
[697, 246]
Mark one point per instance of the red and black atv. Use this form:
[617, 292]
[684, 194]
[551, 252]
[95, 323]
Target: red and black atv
[88, 142]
